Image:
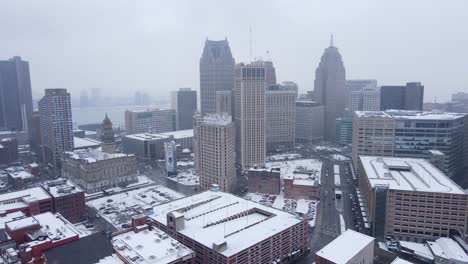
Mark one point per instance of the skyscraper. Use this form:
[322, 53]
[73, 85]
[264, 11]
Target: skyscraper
[107, 136]
[329, 88]
[216, 73]
[408, 97]
[215, 155]
[15, 94]
[56, 125]
[309, 121]
[224, 102]
[184, 102]
[149, 121]
[250, 118]
[362, 95]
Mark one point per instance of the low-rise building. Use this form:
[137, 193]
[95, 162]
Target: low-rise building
[30, 201]
[229, 229]
[8, 150]
[182, 138]
[446, 250]
[262, 180]
[410, 199]
[146, 147]
[68, 199]
[19, 178]
[94, 170]
[350, 247]
[144, 244]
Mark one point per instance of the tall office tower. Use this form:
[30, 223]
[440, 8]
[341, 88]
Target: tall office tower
[84, 99]
[107, 136]
[408, 97]
[309, 121]
[329, 88]
[216, 73]
[215, 155]
[249, 115]
[362, 95]
[291, 86]
[224, 102]
[270, 72]
[411, 134]
[149, 121]
[56, 125]
[15, 94]
[184, 103]
[280, 117]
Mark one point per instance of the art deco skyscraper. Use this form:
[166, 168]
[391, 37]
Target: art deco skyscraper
[329, 88]
[215, 154]
[250, 118]
[216, 73]
[56, 125]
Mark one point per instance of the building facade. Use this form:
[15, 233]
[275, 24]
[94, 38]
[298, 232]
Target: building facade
[107, 136]
[264, 180]
[149, 121]
[16, 105]
[216, 73]
[215, 155]
[280, 117]
[95, 171]
[309, 121]
[56, 125]
[408, 97]
[67, 199]
[8, 150]
[410, 134]
[362, 95]
[410, 199]
[329, 88]
[184, 102]
[250, 117]
[224, 102]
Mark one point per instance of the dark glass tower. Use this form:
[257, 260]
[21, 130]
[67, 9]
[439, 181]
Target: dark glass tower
[408, 97]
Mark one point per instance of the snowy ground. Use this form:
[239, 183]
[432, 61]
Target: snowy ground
[186, 174]
[328, 148]
[85, 230]
[294, 206]
[285, 156]
[342, 224]
[118, 209]
[288, 168]
[339, 157]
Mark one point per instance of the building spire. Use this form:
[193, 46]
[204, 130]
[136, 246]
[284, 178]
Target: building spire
[331, 40]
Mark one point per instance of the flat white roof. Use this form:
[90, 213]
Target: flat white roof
[259, 222]
[153, 247]
[147, 136]
[61, 187]
[303, 171]
[411, 115]
[401, 261]
[345, 247]
[85, 143]
[448, 249]
[22, 198]
[188, 133]
[93, 155]
[21, 174]
[407, 174]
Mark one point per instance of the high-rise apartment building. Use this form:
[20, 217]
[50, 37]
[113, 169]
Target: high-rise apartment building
[216, 73]
[215, 155]
[249, 115]
[329, 88]
[410, 134]
[408, 97]
[280, 117]
[309, 121]
[184, 103]
[56, 125]
[15, 94]
[149, 121]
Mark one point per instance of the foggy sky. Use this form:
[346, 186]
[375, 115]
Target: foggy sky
[155, 46]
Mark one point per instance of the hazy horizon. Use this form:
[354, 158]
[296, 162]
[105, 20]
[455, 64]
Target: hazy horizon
[155, 47]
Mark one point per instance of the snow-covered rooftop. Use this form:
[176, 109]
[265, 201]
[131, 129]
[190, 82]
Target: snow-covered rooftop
[217, 119]
[61, 187]
[147, 136]
[400, 261]
[22, 198]
[188, 133]
[210, 218]
[448, 249]
[93, 155]
[10, 217]
[303, 171]
[149, 246]
[411, 115]
[79, 143]
[407, 174]
[21, 174]
[344, 247]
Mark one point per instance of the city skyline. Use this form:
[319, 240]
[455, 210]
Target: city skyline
[61, 59]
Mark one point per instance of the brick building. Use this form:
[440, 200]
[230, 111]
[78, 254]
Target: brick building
[264, 180]
[30, 201]
[68, 199]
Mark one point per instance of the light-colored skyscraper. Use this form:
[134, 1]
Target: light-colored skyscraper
[362, 95]
[215, 155]
[309, 121]
[280, 117]
[329, 88]
[56, 125]
[184, 103]
[249, 114]
[216, 73]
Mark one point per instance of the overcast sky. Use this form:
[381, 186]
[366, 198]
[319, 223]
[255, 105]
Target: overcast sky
[155, 46]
